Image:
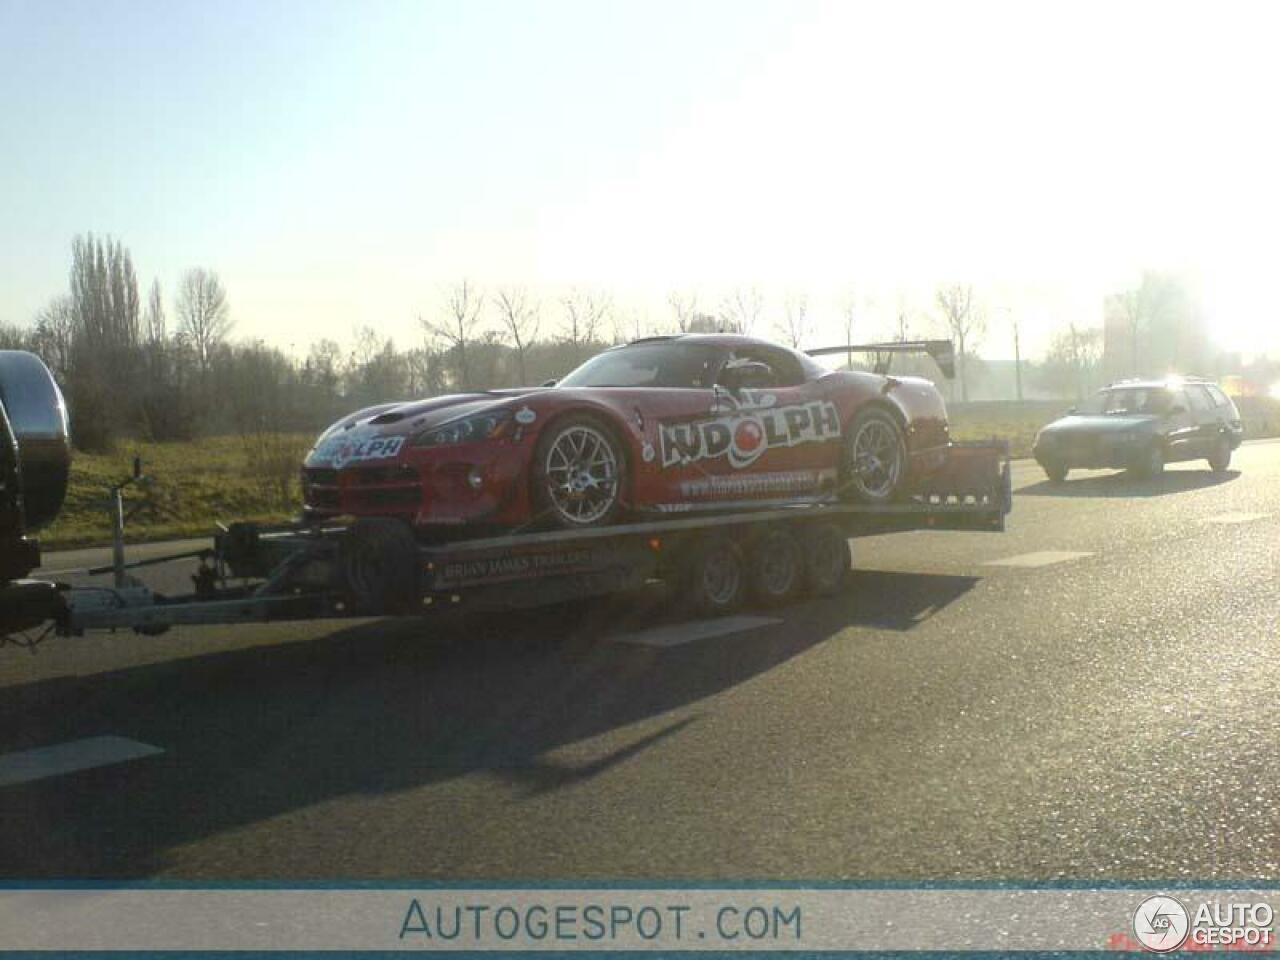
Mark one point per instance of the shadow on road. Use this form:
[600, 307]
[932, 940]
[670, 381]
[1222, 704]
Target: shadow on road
[382, 707]
[1124, 484]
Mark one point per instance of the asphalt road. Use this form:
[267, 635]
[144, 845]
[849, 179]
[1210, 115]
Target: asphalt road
[1090, 695]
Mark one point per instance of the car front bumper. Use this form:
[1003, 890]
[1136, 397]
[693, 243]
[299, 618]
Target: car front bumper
[1092, 452]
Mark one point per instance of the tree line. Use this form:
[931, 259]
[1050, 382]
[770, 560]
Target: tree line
[169, 369]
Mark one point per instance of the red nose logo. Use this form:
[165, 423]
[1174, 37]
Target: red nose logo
[748, 436]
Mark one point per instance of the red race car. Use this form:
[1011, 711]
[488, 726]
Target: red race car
[662, 425]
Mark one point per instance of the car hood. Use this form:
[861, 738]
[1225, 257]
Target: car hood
[1077, 424]
[378, 433]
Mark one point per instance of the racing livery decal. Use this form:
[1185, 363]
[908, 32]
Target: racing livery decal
[341, 450]
[744, 437]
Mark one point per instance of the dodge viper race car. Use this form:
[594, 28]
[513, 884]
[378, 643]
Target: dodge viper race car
[660, 425]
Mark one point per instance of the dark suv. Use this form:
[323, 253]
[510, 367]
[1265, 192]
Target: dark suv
[1141, 425]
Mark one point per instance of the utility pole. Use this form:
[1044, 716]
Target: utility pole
[1017, 358]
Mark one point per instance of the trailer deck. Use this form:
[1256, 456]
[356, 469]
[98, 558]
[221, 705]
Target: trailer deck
[251, 573]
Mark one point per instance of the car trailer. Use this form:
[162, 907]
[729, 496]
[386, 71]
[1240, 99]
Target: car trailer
[376, 567]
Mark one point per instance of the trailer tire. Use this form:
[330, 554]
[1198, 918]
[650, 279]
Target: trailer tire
[378, 557]
[776, 567]
[828, 559]
[714, 576]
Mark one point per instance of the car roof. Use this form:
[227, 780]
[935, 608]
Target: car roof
[710, 339]
[1148, 384]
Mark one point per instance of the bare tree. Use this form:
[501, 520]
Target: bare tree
[458, 330]
[848, 314]
[54, 335]
[584, 313]
[204, 316]
[965, 321]
[740, 311]
[628, 325]
[684, 306]
[519, 315]
[155, 322]
[1072, 360]
[794, 325]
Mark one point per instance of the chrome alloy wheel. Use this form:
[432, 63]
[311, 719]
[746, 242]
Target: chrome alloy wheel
[581, 471]
[876, 459]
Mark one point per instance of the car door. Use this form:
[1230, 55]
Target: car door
[782, 431]
[1208, 425]
[1181, 429]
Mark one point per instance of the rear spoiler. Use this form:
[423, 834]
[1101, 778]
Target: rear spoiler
[941, 351]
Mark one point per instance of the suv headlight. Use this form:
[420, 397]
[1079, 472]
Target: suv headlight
[482, 426]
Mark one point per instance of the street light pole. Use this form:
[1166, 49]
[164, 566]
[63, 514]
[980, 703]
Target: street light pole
[1017, 359]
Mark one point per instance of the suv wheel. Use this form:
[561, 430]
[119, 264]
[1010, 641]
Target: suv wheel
[1220, 458]
[1055, 470]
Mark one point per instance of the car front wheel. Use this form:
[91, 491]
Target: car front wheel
[578, 474]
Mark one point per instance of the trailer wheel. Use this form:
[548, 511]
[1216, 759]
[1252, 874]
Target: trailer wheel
[714, 576]
[776, 567]
[379, 563]
[827, 559]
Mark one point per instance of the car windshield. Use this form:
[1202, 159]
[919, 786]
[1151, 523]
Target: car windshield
[668, 364]
[1150, 400]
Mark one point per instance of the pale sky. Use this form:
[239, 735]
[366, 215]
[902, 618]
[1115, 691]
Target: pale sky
[341, 164]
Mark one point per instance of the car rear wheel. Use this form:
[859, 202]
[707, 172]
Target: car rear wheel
[578, 474]
[875, 457]
[1220, 458]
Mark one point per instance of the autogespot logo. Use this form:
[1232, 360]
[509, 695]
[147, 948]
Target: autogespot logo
[1161, 924]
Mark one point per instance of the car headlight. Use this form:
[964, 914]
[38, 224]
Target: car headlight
[482, 426]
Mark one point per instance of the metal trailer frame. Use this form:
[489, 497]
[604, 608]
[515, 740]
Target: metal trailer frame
[297, 572]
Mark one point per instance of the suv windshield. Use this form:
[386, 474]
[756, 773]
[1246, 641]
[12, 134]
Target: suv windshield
[668, 364]
[1151, 400]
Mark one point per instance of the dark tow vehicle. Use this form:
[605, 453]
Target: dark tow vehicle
[35, 458]
[1140, 425]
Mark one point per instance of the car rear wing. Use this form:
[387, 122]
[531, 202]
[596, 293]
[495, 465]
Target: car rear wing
[942, 352]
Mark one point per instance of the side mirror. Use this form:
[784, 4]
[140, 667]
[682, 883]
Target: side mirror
[1072, 411]
[550, 383]
[751, 375]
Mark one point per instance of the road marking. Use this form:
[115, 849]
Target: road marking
[25, 766]
[1041, 558]
[677, 634]
[1234, 517]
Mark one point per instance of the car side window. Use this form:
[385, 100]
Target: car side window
[1219, 398]
[785, 367]
[1200, 401]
